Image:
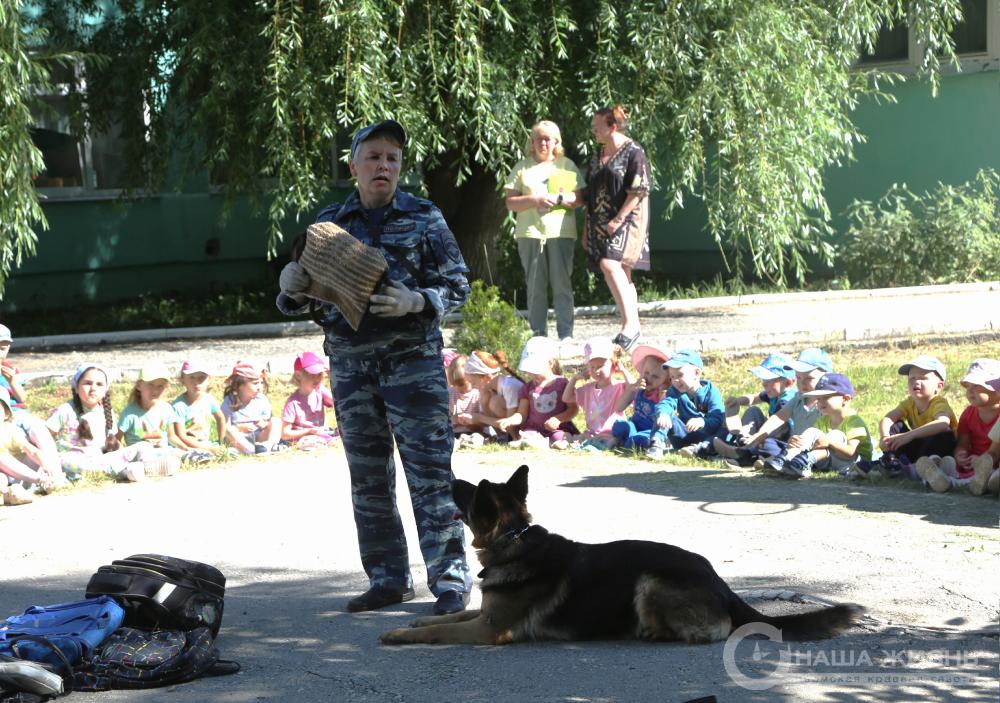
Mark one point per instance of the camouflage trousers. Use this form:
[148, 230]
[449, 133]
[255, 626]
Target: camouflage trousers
[403, 396]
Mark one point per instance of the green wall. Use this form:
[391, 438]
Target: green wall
[101, 250]
[920, 140]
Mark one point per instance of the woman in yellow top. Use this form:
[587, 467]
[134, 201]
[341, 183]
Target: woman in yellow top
[542, 189]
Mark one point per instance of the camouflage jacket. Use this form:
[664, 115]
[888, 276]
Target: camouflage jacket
[422, 254]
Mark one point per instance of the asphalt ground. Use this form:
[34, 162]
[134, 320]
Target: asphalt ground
[281, 529]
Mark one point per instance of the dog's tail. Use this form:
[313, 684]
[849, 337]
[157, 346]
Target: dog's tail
[813, 625]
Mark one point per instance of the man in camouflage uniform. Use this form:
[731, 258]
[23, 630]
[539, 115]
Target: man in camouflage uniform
[388, 378]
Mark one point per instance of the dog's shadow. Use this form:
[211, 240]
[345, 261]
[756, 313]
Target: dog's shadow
[712, 488]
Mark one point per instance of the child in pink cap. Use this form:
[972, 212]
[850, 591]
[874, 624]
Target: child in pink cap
[303, 420]
[599, 398]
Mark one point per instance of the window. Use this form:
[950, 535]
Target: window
[977, 40]
[74, 167]
[892, 45]
[971, 36]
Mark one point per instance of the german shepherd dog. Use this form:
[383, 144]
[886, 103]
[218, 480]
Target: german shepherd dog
[539, 586]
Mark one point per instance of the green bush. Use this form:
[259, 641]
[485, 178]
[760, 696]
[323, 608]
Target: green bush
[490, 324]
[949, 235]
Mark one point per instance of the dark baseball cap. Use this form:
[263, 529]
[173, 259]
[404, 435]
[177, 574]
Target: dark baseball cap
[366, 133]
[832, 384]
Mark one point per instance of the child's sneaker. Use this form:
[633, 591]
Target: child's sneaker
[774, 465]
[982, 466]
[560, 444]
[594, 445]
[517, 444]
[15, 494]
[948, 466]
[133, 472]
[744, 459]
[196, 456]
[655, 451]
[891, 465]
[799, 466]
[698, 450]
[930, 473]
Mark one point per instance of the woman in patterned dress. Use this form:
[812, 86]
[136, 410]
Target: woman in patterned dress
[616, 233]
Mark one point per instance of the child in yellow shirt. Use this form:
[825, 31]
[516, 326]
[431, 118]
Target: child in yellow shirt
[923, 424]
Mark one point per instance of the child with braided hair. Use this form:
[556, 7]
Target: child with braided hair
[85, 431]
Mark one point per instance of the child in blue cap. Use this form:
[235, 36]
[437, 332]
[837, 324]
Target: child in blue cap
[838, 441]
[777, 379]
[787, 424]
[694, 403]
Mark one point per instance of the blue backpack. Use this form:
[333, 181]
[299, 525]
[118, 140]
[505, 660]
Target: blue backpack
[75, 628]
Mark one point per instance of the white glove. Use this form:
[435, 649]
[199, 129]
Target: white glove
[294, 280]
[396, 300]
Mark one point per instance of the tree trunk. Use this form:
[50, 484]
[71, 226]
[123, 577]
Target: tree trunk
[474, 211]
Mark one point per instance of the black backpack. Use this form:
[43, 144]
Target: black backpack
[133, 658]
[157, 591]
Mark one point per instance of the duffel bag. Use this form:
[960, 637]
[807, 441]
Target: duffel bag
[158, 591]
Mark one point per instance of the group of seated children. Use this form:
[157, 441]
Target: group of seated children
[807, 425]
[151, 437]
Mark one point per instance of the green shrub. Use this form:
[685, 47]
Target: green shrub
[949, 235]
[490, 324]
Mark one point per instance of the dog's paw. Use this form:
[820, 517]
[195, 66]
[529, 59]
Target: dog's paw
[400, 636]
[424, 622]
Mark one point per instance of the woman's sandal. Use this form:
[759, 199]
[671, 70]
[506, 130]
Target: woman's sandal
[624, 342]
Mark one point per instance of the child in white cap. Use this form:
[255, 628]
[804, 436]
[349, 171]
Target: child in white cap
[599, 398]
[543, 417]
[10, 376]
[986, 478]
[923, 424]
[20, 461]
[499, 389]
[942, 473]
[148, 418]
[84, 429]
[195, 411]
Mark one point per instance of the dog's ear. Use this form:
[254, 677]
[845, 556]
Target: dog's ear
[518, 483]
[484, 506]
[462, 492]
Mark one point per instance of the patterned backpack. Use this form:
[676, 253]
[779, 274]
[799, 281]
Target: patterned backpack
[133, 658]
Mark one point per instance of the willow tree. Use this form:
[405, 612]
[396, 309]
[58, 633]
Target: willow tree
[740, 102]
